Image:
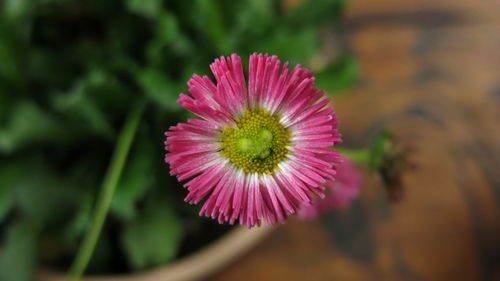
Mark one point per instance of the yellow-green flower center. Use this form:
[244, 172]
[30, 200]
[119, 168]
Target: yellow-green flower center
[257, 144]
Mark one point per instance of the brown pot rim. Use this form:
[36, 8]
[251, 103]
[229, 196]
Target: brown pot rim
[200, 264]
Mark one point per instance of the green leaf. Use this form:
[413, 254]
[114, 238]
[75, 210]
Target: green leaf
[315, 12]
[338, 76]
[159, 89]
[6, 199]
[168, 41]
[9, 174]
[296, 46]
[18, 255]
[210, 21]
[29, 124]
[136, 179]
[79, 104]
[378, 149]
[153, 237]
[45, 196]
[167, 28]
[14, 9]
[10, 52]
[78, 224]
[146, 8]
[255, 17]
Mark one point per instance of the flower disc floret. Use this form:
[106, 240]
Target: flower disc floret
[257, 144]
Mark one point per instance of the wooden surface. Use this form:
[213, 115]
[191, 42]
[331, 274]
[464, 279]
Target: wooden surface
[431, 73]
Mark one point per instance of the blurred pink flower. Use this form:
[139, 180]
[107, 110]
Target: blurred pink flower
[259, 151]
[339, 192]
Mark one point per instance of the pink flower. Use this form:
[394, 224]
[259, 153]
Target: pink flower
[339, 193]
[259, 151]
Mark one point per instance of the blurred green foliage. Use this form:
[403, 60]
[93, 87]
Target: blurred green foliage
[69, 73]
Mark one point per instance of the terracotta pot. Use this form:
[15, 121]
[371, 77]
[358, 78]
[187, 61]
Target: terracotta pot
[193, 267]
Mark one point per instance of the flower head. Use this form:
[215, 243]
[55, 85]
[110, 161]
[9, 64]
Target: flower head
[259, 151]
[339, 193]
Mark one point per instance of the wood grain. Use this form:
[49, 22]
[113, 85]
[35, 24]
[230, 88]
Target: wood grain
[430, 73]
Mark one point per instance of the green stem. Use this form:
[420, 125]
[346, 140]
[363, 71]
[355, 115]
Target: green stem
[106, 194]
[357, 156]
